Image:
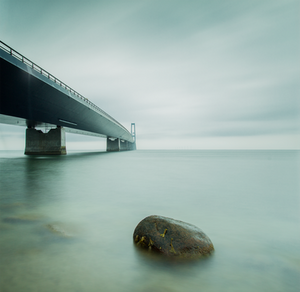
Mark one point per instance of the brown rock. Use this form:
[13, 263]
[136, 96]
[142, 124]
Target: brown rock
[172, 237]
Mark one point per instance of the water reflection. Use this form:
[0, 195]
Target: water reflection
[160, 260]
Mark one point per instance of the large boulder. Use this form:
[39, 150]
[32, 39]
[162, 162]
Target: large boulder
[172, 237]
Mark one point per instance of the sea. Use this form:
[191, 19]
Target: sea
[67, 222]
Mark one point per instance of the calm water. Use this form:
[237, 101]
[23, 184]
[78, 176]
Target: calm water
[66, 223]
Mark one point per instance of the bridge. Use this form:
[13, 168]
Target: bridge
[32, 97]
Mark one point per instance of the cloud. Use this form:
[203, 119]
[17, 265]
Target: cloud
[196, 69]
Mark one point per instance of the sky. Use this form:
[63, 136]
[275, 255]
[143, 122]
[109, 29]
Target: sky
[203, 74]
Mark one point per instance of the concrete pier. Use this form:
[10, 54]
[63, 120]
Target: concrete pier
[51, 143]
[131, 146]
[124, 145]
[112, 144]
[119, 145]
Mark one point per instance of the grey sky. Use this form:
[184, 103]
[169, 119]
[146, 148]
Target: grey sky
[190, 74]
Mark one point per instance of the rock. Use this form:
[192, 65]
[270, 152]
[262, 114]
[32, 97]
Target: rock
[172, 237]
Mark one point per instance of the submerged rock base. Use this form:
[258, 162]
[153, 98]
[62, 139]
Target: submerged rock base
[172, 237]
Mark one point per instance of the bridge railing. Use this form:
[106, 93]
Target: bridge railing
[45, 73]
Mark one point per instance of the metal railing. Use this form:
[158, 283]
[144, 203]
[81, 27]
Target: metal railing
[45, 73]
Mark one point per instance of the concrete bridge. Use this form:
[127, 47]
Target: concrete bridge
[32, 97]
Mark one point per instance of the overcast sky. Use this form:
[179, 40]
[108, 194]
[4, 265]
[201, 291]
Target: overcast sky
[200, 74]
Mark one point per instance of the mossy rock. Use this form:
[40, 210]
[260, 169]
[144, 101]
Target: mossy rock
[172, 238]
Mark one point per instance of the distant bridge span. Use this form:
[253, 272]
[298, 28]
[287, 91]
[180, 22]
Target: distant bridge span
[32, 97]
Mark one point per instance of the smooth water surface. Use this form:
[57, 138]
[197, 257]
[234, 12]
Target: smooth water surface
[66, 222]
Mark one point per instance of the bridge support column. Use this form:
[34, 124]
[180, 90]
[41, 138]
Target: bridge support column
[123, 145]
[131, 146]
[112, 144]
[119, 145]
[115, 144]
[126, 145]
[51, 143]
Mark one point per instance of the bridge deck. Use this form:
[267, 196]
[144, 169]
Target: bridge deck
[31, 96]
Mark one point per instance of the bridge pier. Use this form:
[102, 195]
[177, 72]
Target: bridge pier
[124, 145]
[112, 144]
[119, 145]
[51, 143]
[131, 146]
[115, 144]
